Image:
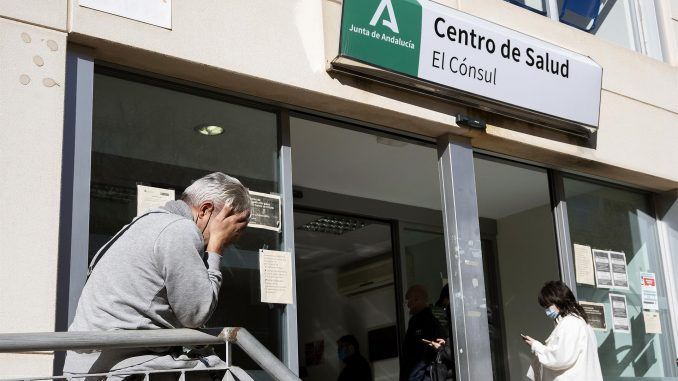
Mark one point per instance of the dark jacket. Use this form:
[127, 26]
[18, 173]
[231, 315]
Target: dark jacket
[417, 355]
[442, 368]
[356, 369]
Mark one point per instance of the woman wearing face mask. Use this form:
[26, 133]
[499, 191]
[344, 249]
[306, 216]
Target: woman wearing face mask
[571, 351]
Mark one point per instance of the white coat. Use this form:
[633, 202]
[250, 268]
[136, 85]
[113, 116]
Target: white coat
[569, 354]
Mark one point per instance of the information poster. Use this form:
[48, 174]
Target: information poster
[620, 277]
[275, 276]
[266, 210]
[583, 263]
[596, 315]
[648, 288]
[620, 314]
[601, 259]
[652, 322]
[151, 198]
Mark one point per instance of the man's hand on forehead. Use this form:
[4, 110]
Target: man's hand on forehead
[226, 228]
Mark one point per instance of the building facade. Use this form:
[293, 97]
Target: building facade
[392, 161]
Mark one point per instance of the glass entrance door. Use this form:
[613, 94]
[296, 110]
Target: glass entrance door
[354, 283]
[520, 255]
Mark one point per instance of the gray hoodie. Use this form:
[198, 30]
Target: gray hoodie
[153, 276]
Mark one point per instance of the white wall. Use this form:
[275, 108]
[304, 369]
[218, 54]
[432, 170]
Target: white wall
[526, 250]
[326, 315]
[31, 128]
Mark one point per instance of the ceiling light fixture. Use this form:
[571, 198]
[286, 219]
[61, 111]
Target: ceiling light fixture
[209, 130]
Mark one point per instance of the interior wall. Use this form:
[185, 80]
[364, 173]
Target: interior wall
[526, 251]
[326, 315]
[426, 265]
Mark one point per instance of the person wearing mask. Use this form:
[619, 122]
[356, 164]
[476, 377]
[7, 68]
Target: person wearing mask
[571, 351]
[356, 368]
[162, 270]
[422, 329]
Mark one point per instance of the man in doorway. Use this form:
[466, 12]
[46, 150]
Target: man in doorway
[422, 328]
[356, 368]
[161, 271]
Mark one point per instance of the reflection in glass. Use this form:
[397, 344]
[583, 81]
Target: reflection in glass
[150, 135]
[608, 218]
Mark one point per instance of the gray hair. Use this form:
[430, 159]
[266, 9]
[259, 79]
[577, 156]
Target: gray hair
[221, 190]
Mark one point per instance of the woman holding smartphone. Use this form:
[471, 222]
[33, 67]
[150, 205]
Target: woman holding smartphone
[571, 351]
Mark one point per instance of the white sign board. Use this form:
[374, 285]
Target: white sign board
[447, 47]
[154, 12]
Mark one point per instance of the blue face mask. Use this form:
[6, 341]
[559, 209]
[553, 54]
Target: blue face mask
[342, 353]
[551, 312]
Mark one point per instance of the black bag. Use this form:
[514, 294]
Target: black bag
[442, 368]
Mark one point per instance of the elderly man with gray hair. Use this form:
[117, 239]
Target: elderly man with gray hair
[161, 271]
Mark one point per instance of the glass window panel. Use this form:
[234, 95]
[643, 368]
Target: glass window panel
[146, 134]
[614, 22]
[539, 6]
[519, 254]
[614, 219]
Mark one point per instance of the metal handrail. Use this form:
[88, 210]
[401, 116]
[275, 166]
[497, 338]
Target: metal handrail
[100, 340]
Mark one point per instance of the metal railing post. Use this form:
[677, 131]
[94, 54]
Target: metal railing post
[257, 352]
[227, 354]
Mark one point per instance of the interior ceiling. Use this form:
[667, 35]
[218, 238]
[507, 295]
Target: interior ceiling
[316, 251]
[353, 163]
[504, 189]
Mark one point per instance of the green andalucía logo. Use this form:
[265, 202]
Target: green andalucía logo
[383, 33]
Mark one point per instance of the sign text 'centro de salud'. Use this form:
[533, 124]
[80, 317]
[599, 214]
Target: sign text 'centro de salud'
[443, 49]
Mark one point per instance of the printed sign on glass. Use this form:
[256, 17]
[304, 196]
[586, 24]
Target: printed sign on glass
[596, 315]
[620, 314]
[265, 212]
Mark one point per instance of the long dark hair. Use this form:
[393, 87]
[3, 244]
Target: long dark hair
[557, 293]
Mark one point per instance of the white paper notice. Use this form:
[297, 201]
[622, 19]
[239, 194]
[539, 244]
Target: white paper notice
[648, 287]
[652, 322]
[154, 12]
[583, 262]
[620, 277]
[275, 274]
[151, 197]
[601, 259]
[620, 314]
